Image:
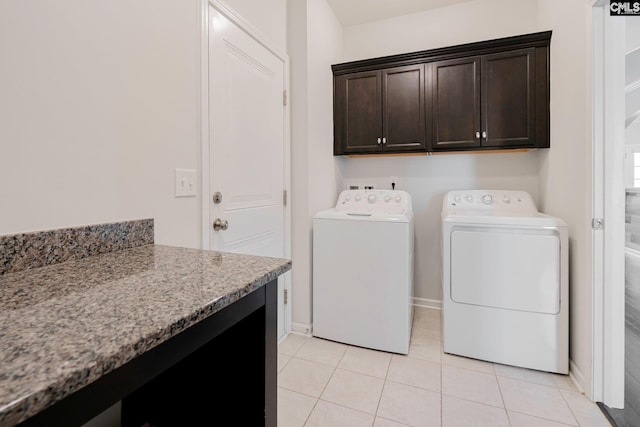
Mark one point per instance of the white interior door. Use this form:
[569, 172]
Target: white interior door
[246, 145]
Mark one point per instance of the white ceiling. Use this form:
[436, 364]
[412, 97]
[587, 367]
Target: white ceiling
[353, 12]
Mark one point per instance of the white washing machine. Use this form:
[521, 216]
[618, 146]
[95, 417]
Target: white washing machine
[363, 270]
[505, 280]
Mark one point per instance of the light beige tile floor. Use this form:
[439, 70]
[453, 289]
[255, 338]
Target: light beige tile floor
[327, 384]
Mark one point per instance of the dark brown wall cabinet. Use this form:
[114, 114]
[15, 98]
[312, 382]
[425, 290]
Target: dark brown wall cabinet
[478, 96]
[380, 111]
[484, 101]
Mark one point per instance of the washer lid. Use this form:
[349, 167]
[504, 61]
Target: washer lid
[371, 205]
[337, 214]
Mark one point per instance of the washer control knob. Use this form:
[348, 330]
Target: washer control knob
[456, 198]
[469, 198]
[372, 198]
[358, 197]
[387, 198]
[487, 199]
[506, 199]
[398, 199]
[347, 198]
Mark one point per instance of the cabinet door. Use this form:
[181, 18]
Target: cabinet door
[357, 113]
[455, 113]
[403, 115]
[508, 98]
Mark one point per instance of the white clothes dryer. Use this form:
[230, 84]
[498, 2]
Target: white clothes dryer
[505, 280]
[363, 270]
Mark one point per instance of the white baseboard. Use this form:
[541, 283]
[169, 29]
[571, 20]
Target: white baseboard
[427, 303]
[301, 328]
[577, 377]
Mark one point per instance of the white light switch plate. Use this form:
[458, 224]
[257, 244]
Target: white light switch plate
[186, 183]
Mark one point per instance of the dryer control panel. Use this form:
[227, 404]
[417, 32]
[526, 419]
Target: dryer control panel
[512, 201]
[392, 202]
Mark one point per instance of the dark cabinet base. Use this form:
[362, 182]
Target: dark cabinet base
[220, 384]
[231, 355]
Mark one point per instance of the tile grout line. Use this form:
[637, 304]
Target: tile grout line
[569, 406]
[384, 384]
[335, 368]
[504, 404]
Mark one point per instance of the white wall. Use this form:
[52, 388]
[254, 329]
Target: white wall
[268, 16]
[566, 168]
[315, 42]
[461, 23]
[99, 105]
[427, 179]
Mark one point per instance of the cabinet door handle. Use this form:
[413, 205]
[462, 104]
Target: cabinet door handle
[477, 135]
[484, 134]
[379, 140]
[384, 140]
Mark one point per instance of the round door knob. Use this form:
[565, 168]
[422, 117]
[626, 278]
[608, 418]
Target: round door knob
[220, 224]
[487, 199]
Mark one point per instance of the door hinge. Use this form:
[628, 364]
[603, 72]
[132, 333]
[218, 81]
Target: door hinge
[597, 223]
[284, 97]
[284, 197]
[286, 296]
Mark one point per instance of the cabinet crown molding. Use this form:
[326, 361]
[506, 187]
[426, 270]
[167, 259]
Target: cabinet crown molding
[539, 39]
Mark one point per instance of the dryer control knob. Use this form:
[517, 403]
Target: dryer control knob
[387, 198]
[358, 197]
[456, 198]
[469, 198]
[398, 199]
[487, 199]
[372, 198]
[347, 198]
[506, 199]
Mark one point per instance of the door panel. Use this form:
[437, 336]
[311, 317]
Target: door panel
[361, 93]
[508, 98]
[403, 108]
[506, 270]
[456, 103]
[246, 144]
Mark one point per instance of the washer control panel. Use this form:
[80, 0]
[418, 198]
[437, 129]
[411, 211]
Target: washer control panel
[489, 200]
[394, 202]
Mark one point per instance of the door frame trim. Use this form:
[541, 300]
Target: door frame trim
[608, 293]
[235, 17]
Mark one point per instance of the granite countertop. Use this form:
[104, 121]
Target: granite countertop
[63, 326]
